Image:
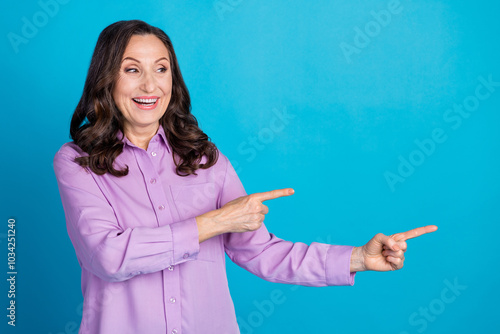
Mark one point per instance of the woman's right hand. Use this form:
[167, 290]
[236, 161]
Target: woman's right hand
[242, 214]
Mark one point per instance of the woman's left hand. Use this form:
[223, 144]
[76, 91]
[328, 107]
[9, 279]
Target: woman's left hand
[385, 253]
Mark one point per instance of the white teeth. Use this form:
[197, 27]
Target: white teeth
[145, 100]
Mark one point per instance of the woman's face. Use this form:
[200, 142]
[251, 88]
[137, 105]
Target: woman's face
[144, 85]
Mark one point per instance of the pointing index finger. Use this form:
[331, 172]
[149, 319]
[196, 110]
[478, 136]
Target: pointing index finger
[416, 232]
[272, 194]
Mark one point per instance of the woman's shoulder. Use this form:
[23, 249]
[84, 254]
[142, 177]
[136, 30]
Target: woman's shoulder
[71, 149]
[66, 155]
[218, 168]
[225, 165]
[222, 160]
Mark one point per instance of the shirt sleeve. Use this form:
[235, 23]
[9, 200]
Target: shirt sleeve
[281, 261]
[102, 246]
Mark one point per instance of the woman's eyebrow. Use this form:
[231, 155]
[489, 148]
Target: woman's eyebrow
[158, 60]
[130, 58]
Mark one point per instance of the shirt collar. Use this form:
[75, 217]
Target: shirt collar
[159, 134]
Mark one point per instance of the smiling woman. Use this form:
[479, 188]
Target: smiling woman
[150, 237]
[133, 65]
[145, 69]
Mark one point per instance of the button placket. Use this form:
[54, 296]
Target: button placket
[149, 164]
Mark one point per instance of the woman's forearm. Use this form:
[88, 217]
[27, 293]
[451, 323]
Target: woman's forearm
[207, 228]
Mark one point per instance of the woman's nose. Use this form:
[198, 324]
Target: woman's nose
[148, 83]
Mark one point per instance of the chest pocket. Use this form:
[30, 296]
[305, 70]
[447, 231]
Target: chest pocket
[192, 200]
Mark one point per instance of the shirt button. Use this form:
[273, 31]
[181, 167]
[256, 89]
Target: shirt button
[170, 268]
[152, 181]
[153, 154]
[186, 256]
[161, 207]
[172, 300]
[174, 331]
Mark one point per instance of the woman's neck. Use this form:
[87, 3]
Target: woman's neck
[140, 137]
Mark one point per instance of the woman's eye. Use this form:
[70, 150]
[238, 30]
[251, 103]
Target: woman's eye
[162, 70]
[130, 70]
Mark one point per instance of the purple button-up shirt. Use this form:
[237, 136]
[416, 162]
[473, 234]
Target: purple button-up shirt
[136, 239]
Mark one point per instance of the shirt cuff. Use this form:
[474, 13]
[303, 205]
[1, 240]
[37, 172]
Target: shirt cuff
[185, 240]
[338, 265]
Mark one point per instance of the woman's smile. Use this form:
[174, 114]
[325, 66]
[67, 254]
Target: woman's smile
[146, 102]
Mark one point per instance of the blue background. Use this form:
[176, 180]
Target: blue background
[353, 117]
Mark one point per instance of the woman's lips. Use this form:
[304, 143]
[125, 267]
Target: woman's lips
[146, 102]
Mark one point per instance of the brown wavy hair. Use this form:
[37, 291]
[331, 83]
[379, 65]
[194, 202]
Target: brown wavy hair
[97, 119]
